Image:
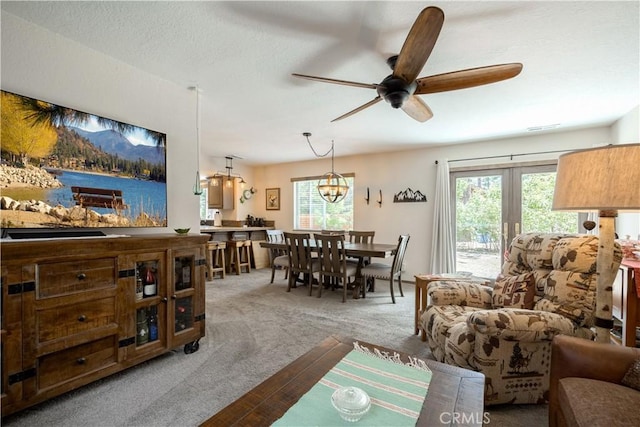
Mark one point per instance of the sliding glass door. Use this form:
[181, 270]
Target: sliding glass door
[492, 206]
[478, 217]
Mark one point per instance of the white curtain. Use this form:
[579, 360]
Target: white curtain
[443, 249]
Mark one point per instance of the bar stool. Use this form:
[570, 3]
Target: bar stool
[216, 258]
[239, 255]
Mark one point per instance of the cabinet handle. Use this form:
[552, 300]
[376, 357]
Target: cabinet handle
[81, 276]
[164, 299]
[81, 361]
[82, 318]
[174, 296]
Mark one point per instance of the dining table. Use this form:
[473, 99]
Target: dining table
[361, 251]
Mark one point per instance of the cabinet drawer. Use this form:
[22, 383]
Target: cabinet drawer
[66, 320]
[76, 361]
[62, 278]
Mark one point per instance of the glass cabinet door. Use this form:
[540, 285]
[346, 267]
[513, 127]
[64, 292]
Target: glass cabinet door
[183, 274]
[183, 270]
[146, 294]
[148, 284]
[185, 279]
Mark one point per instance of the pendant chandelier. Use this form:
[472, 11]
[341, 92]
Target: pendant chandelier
[197, 188]
[227, 177]
[332, 187]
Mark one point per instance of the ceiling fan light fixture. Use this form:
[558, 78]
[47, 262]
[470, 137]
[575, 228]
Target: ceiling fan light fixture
[397, 99]
[396, 91]
[400, 87]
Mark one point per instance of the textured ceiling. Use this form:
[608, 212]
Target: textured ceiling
[581, 67]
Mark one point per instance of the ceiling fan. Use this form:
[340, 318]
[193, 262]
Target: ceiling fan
[401, 87]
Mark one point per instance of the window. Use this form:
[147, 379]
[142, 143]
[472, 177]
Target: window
[493, 205]
[204, 205]
[312, 212]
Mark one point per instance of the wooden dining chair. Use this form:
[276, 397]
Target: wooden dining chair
[335, 232]
[300, 259]
[334, 268]
[278, 258]
[362, 237]
[379, 270]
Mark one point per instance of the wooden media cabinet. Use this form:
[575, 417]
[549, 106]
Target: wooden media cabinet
[77, 310]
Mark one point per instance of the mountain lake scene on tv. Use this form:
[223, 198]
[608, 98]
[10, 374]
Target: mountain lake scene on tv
[64, 168]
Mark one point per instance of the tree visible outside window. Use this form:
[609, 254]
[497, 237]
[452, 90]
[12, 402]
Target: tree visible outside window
[312, 212]
[493, 205]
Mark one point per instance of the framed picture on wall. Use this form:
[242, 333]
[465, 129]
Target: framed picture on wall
[273, 199]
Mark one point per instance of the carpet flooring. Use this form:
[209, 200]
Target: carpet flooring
[253, 330]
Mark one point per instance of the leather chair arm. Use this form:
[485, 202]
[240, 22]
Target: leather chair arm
[575, 357]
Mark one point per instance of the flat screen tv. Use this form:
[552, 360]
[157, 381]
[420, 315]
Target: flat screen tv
[67, 170]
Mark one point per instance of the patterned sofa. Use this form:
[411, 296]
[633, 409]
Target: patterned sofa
[546, 288]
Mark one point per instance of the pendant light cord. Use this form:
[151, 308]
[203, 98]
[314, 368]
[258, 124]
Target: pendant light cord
[197, 189]
[307, 135]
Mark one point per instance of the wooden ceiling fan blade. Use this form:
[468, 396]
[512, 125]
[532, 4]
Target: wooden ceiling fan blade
[467, 78]
[335, 81]
[417, 109]
[419, 44]
[360, 108]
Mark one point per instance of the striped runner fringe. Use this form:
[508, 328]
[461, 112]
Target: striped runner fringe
[397, 391]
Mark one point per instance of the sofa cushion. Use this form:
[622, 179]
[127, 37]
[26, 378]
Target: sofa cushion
[571, 285]
[540, 248]
[515, 291]
[588, 402]
[531, 252]
[459, 292]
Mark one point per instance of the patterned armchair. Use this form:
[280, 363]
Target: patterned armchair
[547, 287]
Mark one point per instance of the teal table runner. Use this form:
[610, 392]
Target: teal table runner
[397, 391]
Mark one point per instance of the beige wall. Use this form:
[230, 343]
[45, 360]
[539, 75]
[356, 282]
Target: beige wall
[44, 65]
[627, 131]
[393, 172]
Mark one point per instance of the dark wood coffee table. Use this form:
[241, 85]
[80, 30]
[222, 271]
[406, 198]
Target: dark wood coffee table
[452, 390]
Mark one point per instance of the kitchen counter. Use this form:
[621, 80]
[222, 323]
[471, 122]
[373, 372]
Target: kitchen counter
[223, 229]
[259, 256]
[225, 233]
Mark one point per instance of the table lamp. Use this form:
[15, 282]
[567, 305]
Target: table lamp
[607, 180]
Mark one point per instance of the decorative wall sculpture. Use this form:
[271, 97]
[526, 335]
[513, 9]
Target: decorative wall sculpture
[409, 195]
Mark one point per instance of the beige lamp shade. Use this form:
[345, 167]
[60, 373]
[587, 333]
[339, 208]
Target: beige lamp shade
[604, 178]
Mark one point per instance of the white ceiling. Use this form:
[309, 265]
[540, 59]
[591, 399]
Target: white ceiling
[581, 67]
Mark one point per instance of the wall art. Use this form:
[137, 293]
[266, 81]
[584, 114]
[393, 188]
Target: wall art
[273, 199]
[409, 195]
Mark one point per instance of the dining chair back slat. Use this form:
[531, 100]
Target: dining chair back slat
[334, 268]
[278, 258]
[361, 236]
[335, 232]
[300, 259]
[356, 236]
[390, 272]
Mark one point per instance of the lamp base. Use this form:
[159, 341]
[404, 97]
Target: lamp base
[605, 276]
